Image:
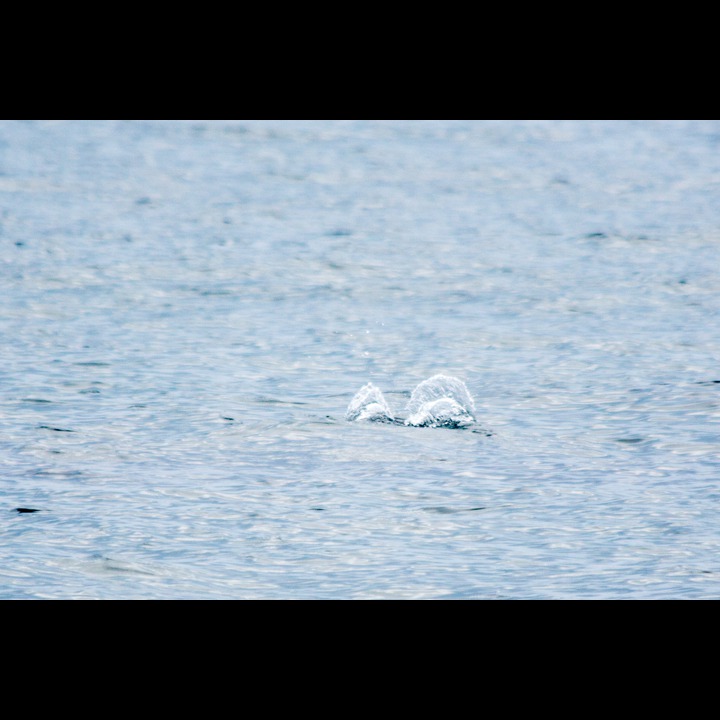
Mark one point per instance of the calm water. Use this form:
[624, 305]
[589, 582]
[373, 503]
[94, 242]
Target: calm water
[187, 308]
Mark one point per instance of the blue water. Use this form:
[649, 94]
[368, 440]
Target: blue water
[188, 307]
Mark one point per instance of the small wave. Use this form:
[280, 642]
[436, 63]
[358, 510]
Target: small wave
[439, 401]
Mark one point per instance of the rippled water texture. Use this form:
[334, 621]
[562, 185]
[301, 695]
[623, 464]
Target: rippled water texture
[188, 309]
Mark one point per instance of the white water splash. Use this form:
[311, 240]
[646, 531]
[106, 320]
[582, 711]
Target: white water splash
[441, 386]
[439, 401]
[444, 412]
[369, 404]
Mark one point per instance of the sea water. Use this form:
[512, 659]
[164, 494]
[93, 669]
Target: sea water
[187, 309]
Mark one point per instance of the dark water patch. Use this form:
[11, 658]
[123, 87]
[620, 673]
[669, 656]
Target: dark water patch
[108, 564]
[708, 382]
[93, 363]
[235, 129]
[36, 400]
[478, 594]
[327, 420]
[447, 425]
[444, 510]
[630, 440]
[54, 429]
[59, 473]
[218, 291]
[274, 401]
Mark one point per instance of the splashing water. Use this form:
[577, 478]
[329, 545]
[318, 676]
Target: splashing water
[444, 412]
[439, 401]
[369, 404]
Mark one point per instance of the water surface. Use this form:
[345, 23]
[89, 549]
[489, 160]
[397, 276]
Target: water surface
[187, 308]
